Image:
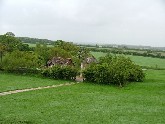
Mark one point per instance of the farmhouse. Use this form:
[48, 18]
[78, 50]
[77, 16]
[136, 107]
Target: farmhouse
[60, 61]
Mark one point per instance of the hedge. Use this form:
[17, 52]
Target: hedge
[60, 72]
[116, 70]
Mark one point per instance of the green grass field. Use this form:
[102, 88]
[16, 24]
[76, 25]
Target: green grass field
[34, 45]
[137, 103]
[140, 60]
[13, 82]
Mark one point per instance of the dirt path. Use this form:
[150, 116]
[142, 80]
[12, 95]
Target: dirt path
[38, 88]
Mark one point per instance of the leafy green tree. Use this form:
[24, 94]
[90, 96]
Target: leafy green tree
[24, 47]
[83, 53]
[2, 50]
[10, 34]
[78, 54]
[43, 52]
[11, 43]
[58, 52]
[67, 46]
[18, 60]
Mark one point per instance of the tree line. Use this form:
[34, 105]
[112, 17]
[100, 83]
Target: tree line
[147, 53]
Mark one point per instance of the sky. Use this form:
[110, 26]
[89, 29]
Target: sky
[131, 22]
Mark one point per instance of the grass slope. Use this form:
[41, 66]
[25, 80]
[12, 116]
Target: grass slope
[137, 103]
[12, 82]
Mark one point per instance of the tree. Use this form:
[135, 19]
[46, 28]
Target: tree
[10, 34]
[18, 60]
[11, 43]
[83, 53]
[67, 46]
[24, 47]
[2, 50]
[58, 52]
[42, 52]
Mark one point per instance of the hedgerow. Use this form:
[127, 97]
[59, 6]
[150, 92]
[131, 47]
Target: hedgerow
[116, 70]
[60, 72]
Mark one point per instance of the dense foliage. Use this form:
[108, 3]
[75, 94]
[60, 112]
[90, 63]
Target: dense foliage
[60, 72]
[18, 57]
[9, 43]
[117, 70]
[20, 62]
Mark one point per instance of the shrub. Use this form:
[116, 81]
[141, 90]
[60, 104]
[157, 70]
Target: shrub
[115, 70]
[20, 62]
[60, 72]
[136, 74]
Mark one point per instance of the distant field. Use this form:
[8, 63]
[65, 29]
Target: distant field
[98, 54]
[137, 103]
[148, 61]
[31, 45]
[34, 45]
[140, 60]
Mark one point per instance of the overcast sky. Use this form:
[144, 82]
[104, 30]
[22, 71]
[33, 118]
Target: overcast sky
[132, 22]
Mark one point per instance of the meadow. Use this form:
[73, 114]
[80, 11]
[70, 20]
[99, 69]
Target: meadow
[86, 103]
[14, 82]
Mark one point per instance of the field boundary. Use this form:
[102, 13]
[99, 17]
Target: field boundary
[38, 88]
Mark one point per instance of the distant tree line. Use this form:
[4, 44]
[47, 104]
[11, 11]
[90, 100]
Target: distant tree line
[35, 40]
[147, 53]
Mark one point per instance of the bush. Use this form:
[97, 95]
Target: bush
[60, 72]
[115, 70]
[20, 62]
[136, 74]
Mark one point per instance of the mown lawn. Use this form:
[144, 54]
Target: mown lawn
[85, 103]
[13, 82]
[140, 60]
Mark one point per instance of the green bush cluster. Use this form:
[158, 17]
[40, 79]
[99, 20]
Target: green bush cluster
[116, 70]
[60, 72]
[24, 62]
[20, 62]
